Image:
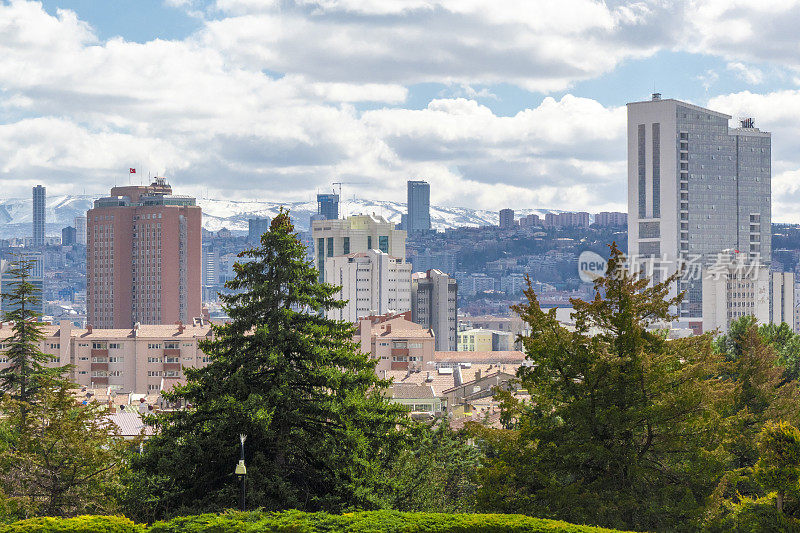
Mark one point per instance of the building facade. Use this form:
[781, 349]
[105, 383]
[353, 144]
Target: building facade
[372, 283]
[69, 236]
[611, 218]
[695, 188]
[327, 206]
[357, 233]
[506, 218]
[143, 257]
[396, 343]
[80, 230]
[419, 207]
[434, 305]
[139, 360]
[39, 214]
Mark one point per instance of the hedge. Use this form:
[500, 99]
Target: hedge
[79, 524]
[300, 522]
[365, 522]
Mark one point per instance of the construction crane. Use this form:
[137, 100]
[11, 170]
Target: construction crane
[340, 183]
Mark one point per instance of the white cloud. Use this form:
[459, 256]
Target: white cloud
[751, 75]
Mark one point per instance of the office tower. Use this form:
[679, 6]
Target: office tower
[695, 188]
[39, 206]
[143, 257]
[506, 218]
[210, 273]
[36, 278]
[434, 297]
[373, 283]
[80, 230]
[256, 227]
[419, 207]
[328, 206]
[68, 236]
[357, 233]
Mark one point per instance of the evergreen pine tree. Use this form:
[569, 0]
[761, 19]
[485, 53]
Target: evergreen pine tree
[27, 363]
[319, 429]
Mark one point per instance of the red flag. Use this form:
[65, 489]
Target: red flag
[131, 171]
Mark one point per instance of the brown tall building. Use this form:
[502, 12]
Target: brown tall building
[143, 257]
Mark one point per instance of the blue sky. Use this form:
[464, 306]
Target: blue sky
[516, 103]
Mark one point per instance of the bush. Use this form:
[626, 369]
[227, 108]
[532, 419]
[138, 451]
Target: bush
[79, 524]
[365, 522]
[753, 514]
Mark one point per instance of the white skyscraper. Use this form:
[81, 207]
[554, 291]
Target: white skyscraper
[695, 188]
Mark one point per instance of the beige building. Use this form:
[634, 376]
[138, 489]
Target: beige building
[434, 304]
[485, 340]
[357, 233]
[372, 283]
[396, 342]
[734, 286]
[144, 359]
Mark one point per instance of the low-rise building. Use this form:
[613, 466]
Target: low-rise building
[396, 342]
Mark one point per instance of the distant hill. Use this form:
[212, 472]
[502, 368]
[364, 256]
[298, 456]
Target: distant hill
[16, 216]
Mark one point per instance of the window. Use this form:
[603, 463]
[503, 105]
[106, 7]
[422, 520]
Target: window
[99, 346]
[383, 244]
[171, 345]
[369, 242]
[330, 246]
[114, 346]
[153, 345]
[346, 245]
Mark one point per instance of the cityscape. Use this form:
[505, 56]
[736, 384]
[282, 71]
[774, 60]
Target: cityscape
[471, 296]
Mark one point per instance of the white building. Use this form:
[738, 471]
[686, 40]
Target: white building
[434, 304]
[372, 282]
[357, 233]
[695, 188]
[733, 287]
[80, 230]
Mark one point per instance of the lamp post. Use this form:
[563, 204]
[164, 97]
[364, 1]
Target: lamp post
[241, 471]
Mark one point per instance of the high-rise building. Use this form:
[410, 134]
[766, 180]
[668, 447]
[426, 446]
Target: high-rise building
[372, 283]
[39, 210]
[356, 233]
[143, 257]
[419, 207]
[80, 230]
[695, 188]
[256, 227]
[68, 236]
[328, 206]
[434, 304]
[611, 218]
[506, 218]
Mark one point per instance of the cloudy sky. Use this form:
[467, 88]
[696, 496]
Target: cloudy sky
[497, 103]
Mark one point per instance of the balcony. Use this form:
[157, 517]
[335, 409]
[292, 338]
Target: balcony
[96, 352]
[399, 351]
[172, 352]
[99, 366]
[99, 381]
[399, 365]
[172, 367]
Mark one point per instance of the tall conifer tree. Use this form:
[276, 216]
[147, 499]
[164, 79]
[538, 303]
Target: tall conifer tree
[319, 430]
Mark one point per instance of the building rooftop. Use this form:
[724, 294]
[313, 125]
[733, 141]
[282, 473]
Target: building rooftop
[507, 357]
[411, 391]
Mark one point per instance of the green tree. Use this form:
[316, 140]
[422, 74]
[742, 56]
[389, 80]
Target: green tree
[778, 466]
[320, 432]
[786, 344]
[623, 427]
[436, 472]
[66, 462]
[27, 363]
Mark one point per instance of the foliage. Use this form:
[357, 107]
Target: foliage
[781, 338]
[436, 472]
[752, 515]
[66, 461]
[78, 524]
[624, 427]
[778, 466]
[364, 522]
[320, 432]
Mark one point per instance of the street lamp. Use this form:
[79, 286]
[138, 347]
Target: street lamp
[241, 471]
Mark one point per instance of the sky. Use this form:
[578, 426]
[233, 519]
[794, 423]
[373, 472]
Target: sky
[501, 103]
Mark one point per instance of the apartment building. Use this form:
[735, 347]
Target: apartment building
[434, 304]
[143, 359]
[396, 342]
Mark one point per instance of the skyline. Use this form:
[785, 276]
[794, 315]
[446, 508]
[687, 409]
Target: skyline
[494, 111]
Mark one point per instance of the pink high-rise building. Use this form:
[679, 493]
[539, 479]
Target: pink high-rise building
[143, 257]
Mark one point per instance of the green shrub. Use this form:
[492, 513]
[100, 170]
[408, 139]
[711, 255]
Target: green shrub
[365, 522]
[79, 524]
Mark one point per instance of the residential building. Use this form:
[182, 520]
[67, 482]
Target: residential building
[506, 218]
[734, 286]
[256, 227]
[328, 206]
[419, 207]
[485, 340]
[39, 214]
[434, 304]
[356, 233]
[372, 283]
[68, 236]
[143, 359]
[143, 257]
[695, 188]
[420, 400]
[611, 219]
[531, 220]
[80, 230]
[396, 342]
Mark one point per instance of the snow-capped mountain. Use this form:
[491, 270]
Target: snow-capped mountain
[16, 213]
